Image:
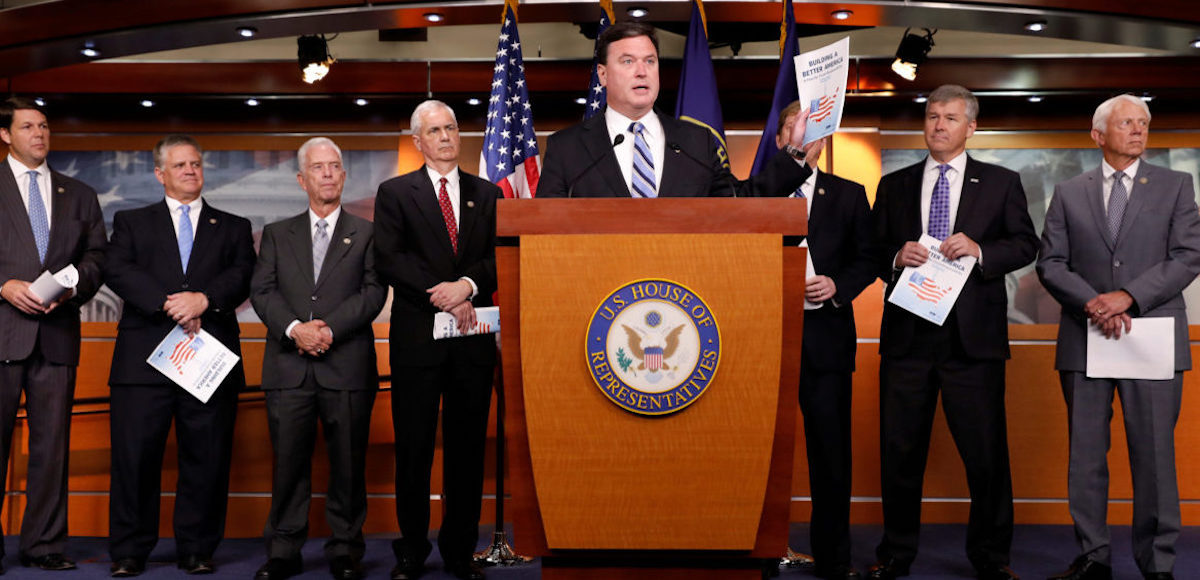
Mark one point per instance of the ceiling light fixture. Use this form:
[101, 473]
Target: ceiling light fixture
[920, 99]
[40, 102]
[1035, 99]
[251, 102]
[361, 102]
[1147, 97]
[313, 55]
[247, 31]
[912, 53]
[473, 102]
[147, 103]
[434, 17]
[1196, 43]
[580, 101]
[637, 12]
[842, 14]
[89, 51]
[1035, 25]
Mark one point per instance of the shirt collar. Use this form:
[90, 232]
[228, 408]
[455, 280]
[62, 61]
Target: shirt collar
[20, 169]
[958, 164]
[618, 123]
[330, 220]
[173, 205]
[1108, 170]
[435, 177]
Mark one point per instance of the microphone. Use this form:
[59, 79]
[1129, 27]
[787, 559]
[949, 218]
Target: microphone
[674, 147]
[619, 139]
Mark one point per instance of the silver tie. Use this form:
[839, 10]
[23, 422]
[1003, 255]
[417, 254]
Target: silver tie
[320, 247]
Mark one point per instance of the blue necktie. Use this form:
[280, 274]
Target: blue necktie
[939, 206]
[1116, 204]
[37, 217]
[643, 163]
[185, 235]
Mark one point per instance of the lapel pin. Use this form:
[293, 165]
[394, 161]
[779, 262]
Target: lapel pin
[974, 180]
[820, 191]
[1143, 181]
[470, 203]
[212, 221]
[62, 190]
[346, 241]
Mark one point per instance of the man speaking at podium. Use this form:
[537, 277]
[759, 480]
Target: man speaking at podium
[633, 151]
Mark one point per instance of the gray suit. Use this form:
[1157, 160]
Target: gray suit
[1155, 256]
[43, 351]
[338, 388]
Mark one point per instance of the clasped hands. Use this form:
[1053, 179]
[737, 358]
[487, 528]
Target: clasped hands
[913, 254]
[17, 293]
[454, 297]
[313, 338]
[185, 309]
[1108, 312]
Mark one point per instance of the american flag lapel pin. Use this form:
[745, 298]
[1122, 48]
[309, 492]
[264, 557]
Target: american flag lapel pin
[974, 180]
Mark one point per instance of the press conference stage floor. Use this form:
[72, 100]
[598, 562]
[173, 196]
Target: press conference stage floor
[1038, 551]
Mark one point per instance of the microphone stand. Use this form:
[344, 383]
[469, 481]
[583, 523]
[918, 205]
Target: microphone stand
[500, 553]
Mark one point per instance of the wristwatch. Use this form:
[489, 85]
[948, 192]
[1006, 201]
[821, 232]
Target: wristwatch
[796, 152]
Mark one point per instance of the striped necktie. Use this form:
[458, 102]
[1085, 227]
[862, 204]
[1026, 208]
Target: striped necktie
[643, 163]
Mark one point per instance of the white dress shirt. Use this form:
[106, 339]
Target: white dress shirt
[1108, 171]
[173, 206]
[929, 178]
[652, 133]
[21, 175]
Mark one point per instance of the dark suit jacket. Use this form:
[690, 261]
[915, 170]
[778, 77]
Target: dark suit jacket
[841, 243]
[1156, 255]
[76, 237]
[413, 253]
[143, 267]
[570, 151]
[993, 212]
[347, 296]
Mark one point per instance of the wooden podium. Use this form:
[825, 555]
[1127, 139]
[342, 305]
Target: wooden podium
[598, 490]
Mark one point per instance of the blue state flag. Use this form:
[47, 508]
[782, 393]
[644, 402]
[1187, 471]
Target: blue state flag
[698, 101]
[785, 88]
[597, 96]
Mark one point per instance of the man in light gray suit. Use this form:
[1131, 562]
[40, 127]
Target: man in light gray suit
[1121, 242]
[315, 288]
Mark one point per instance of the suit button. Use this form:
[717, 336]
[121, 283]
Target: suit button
[1116, 263]
[312, 298]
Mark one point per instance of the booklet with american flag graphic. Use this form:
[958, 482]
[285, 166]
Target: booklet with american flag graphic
[821, 83]
[930, 290]
[198, 363]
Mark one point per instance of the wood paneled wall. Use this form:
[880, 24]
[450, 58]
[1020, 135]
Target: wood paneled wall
[1036, 411]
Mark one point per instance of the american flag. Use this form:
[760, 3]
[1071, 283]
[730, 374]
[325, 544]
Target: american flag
[653, 357]
[822, 108]
[597, 96]
[184, 351]
[510, 153]
[926, 289]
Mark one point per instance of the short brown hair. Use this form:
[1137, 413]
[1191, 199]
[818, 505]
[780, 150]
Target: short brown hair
[10, 106]
[621, 31]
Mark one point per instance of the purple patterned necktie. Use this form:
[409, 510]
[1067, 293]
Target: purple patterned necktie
[1116, 204]
[939, 205]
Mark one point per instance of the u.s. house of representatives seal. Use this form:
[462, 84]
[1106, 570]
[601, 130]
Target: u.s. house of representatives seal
[653, 347]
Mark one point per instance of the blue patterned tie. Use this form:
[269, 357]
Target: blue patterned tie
[939, 205]
[185, 235]
[37, 217]
[643, 163]
[1116, 204]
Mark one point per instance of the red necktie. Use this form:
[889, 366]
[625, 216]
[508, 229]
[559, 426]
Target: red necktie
[448, 214]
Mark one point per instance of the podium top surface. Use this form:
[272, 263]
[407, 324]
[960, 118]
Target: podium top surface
[780, 215]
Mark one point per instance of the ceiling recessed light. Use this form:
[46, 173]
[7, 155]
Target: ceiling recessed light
[147, 103]
[434, 17]
[637, 12]
[920, 99]
[842, 14]
[581, 101]
[251, 102]
[1196, 43]
[473, 102]
[1035, 25]
[89, 51]
[247, 31]
[361, 102]
[40, 102]
[1035, 99]
[1147, 97]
